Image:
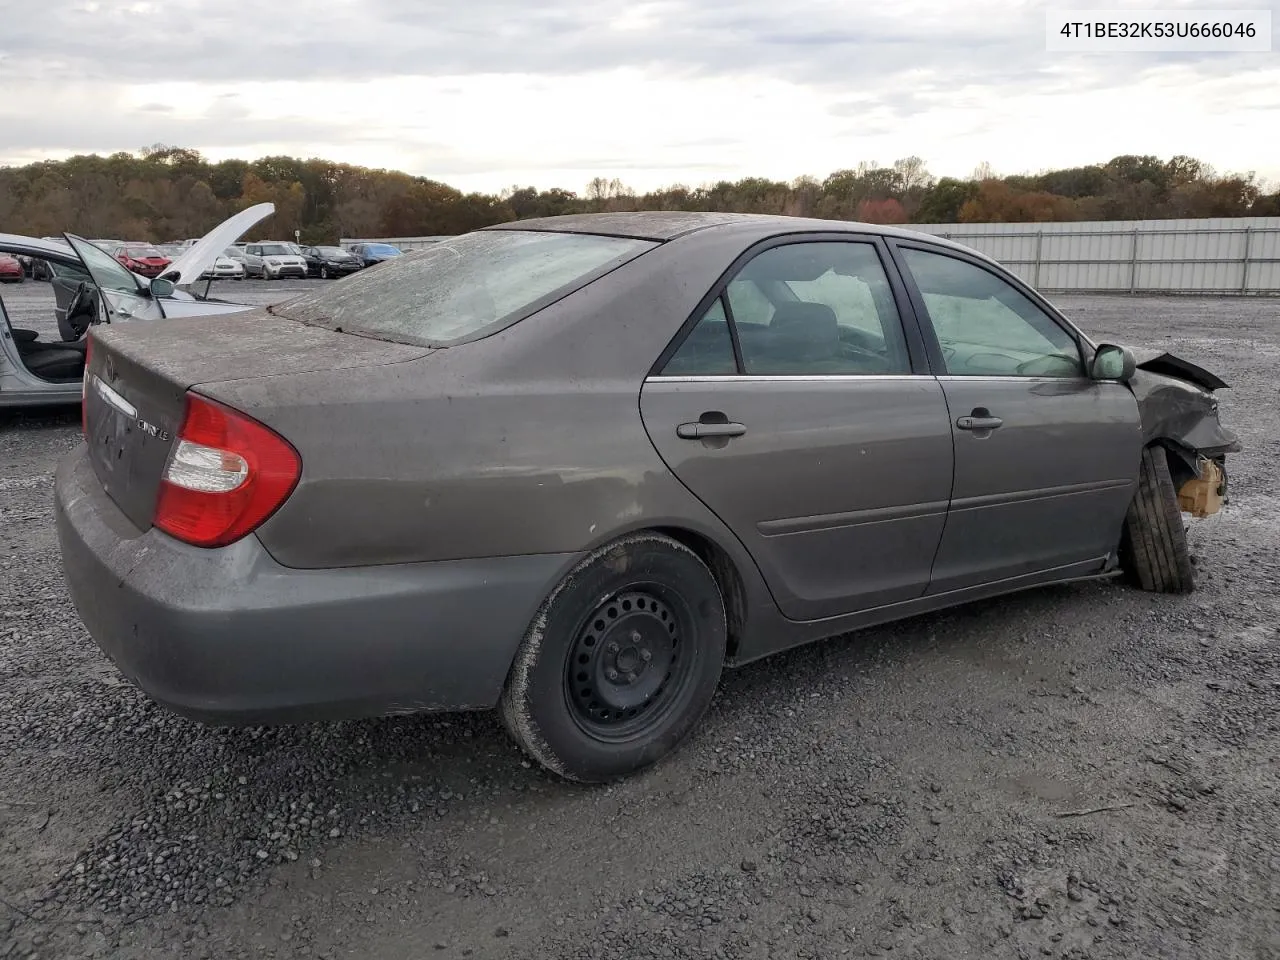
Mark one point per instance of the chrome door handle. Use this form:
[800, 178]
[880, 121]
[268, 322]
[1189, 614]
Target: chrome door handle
[702, 431]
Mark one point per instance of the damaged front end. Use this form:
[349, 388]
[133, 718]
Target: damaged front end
[1180, 413]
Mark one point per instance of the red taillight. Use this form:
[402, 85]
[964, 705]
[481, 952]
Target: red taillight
[84, 387]
[225, 475]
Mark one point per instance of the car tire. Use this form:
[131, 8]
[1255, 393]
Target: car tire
[324, 273]
[598, 689]
[1153, 542]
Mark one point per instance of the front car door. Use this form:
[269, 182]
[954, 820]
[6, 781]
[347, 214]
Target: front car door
[123, 294]
[797, 406]
[1046, 459]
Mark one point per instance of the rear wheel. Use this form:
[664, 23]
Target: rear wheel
[621, 661]
[1153, 543]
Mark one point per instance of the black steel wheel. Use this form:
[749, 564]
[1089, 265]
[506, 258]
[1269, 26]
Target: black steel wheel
[624, 670]
[620, 662]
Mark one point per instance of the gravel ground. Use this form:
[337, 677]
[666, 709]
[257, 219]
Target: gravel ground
[1082, 771]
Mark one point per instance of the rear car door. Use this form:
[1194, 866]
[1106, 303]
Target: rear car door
[798, 407]
[1046, 459]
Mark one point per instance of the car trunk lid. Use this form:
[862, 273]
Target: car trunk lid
[139, 375]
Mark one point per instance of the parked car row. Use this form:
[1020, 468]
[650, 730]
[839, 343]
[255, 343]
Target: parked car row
[274, 259]
[265, 259]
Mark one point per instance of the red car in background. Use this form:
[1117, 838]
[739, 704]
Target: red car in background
[142, 258]
[11, 269]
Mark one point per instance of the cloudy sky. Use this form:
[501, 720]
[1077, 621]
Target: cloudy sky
[488, 93]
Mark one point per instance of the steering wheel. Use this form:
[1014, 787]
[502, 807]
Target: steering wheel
[81, 312]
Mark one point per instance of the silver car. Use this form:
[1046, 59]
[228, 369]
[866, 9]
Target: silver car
[91, 287]
[273, 259]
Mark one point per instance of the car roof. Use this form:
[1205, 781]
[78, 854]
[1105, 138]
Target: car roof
[61, 251]
[664, 225]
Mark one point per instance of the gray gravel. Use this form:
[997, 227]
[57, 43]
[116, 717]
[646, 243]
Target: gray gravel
[898, 793]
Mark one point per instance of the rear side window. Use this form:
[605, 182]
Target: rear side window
[707, 350]
[823, 308]
[464, 288]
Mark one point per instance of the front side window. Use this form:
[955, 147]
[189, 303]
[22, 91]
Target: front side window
[105, 269]
[463, 288]
[823, 308]
[985, 326]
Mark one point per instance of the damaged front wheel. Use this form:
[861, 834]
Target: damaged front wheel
[1153, 543]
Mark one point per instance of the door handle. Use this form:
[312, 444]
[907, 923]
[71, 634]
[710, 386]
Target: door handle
[703, 431]
[979, 420]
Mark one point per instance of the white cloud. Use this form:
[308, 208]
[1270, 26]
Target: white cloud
[496, 92]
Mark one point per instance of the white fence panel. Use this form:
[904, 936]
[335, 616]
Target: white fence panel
[1222, 255]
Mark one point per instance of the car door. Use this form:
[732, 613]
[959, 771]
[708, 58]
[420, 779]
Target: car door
[798, 407]
[1046, 459]
[65, 280]
[121, 292]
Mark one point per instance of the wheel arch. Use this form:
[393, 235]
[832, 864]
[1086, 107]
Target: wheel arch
[1181, 458]
[729, 578]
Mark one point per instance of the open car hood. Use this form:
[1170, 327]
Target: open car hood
[1171, 366]
[202, 254]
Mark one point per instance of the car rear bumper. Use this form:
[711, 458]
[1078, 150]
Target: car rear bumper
[231, 636]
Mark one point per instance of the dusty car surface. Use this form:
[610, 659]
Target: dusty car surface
[573, 467]
[90, 287]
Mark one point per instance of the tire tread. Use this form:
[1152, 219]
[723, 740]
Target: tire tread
[1153, 543]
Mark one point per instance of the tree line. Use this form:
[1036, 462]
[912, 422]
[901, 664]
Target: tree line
[166, 193]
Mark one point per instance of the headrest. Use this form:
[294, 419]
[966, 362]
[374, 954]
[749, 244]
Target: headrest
[803, 331]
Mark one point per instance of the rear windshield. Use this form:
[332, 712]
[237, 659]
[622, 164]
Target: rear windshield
[463, 288]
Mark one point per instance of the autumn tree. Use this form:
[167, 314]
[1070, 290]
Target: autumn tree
[165, 192]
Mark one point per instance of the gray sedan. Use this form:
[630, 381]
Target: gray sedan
[571, 468]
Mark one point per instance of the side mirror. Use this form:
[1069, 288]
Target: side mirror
[1112, 362]
[162, 288]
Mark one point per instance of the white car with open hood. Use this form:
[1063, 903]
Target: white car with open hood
[95, 288]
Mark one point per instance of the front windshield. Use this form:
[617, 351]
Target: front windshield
[142, 253]
[276, 250]
[331, 251]
[382, 250]
[463, 288]
[232, 252]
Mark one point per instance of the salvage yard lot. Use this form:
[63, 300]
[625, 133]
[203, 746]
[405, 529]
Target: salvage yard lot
[1075, 771]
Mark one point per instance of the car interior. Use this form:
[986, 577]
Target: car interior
[57, 362]
[801, 309]
[986, 327]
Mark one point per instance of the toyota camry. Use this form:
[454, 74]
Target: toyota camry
[572, 468]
